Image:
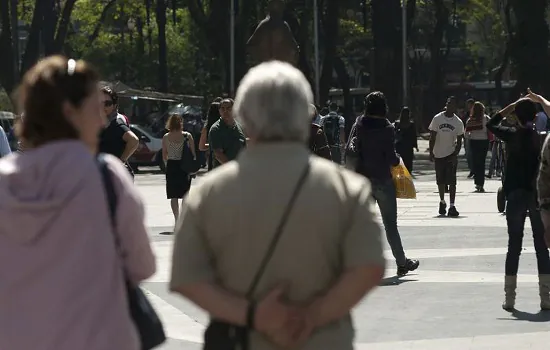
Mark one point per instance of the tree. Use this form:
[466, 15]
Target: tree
[529, 45]
[49, 26]
[386, 30]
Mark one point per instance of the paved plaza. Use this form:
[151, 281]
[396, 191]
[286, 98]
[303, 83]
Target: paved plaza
[451, 302]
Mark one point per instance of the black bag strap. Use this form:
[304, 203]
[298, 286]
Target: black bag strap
[278, 231]
[110, 192]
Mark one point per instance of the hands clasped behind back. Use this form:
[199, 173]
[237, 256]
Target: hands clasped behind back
[284, 324]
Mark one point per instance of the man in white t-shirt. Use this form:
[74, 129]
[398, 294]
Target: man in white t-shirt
[446, 132]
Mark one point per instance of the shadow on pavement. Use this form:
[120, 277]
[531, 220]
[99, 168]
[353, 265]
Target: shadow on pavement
[395, 281]
[541, 316]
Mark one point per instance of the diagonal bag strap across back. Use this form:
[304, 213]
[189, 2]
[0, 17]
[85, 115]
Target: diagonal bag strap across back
[278, 231]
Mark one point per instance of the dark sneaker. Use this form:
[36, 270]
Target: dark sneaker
[470, 175]
[453, 212]
[442, 208]
[480, 189]
[409, 266]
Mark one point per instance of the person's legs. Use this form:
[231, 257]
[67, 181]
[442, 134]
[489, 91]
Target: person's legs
[468, 154]
[407, 155]
[384, 194]
[452, 162]
[543, 257]
[492, 163]
[516, 212]
[440, 175]
[336, 154]
[475, 154]
[174, 203]
[484, 148]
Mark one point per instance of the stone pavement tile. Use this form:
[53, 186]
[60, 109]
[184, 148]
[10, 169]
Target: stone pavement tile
[174, 344]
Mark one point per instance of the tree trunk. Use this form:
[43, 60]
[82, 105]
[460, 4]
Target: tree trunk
[386, 24]
[345, 84]
[162, 53]
[530, 46]
[7, 62]
[330, 27]
[435, 99]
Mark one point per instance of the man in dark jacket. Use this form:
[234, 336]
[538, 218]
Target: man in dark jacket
[373, 140]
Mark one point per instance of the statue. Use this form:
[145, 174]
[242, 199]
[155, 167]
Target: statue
[273, 39]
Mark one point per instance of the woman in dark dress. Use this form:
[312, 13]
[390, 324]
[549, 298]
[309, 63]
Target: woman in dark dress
[406, 139]
[178, 182]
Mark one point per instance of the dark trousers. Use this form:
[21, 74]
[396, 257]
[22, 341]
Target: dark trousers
[478, 153]
[407, 154]
[520, 203]
[383, 192]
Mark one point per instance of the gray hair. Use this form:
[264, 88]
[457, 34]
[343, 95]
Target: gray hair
[273, 103]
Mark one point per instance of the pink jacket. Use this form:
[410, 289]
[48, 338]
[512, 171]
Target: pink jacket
[61, 281]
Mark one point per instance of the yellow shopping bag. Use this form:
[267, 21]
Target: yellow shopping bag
[403, 181]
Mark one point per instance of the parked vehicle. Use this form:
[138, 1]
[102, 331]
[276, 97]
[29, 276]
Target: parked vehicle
[149, 152]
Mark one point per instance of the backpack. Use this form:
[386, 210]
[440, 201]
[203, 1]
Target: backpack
[331, 127]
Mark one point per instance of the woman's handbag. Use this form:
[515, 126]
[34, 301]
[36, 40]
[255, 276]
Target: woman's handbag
[148, 325]
[221, 335]
[188, 164]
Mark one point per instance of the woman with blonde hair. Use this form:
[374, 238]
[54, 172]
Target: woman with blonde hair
[174, 143]
[68, 290]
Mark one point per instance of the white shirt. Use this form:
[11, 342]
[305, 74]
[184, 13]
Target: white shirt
[448, 130]
[479, 134]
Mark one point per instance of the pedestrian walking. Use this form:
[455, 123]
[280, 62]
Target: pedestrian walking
[466, 115]
[318, 143]
[226, 135]
[116, 138]
[520, 174]
[212, 117]
[63, 278]
[251, 247]
[174, 144]
[478, 138]
[406, 138]
[334, 126]
[373, 140]
[446, 133]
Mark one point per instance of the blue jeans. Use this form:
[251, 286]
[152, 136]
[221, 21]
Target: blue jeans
[520, 203]
[383, 192]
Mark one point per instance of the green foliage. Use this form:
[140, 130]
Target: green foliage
[123, 53]
[487, 45]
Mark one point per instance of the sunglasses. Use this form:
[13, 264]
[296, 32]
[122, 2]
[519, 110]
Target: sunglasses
[108, 103]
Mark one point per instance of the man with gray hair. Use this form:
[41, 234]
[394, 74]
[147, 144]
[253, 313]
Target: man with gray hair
[266, 204]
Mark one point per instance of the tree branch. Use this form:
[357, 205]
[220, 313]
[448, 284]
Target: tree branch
[63, 27]
[100, 22]
[197, 13]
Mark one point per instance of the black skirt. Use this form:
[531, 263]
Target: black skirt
[178, 182]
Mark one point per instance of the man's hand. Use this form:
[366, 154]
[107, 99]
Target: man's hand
[432, 158]
[285, 325]
[545, 216]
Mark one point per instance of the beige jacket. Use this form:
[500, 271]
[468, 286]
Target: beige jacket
[229, 219]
